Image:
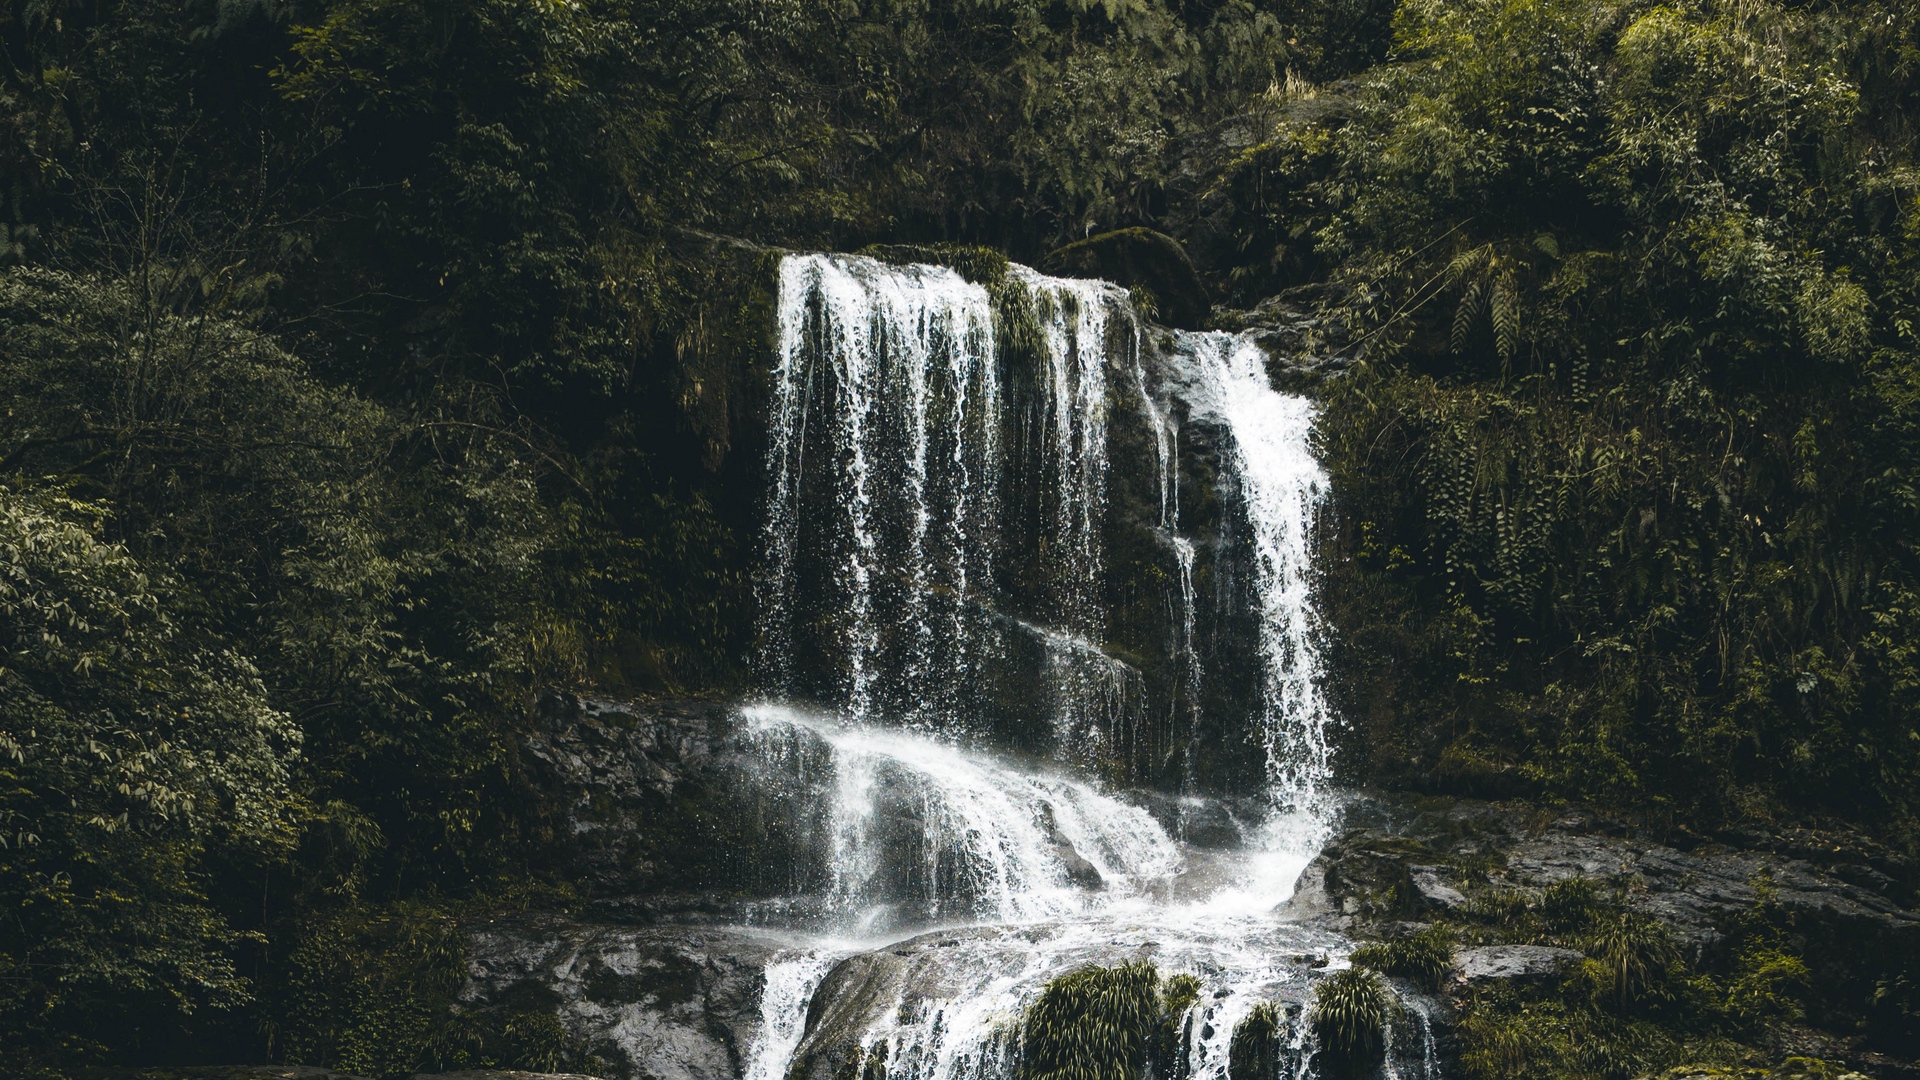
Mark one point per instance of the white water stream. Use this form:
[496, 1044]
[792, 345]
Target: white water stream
[943, 1004]
[962, 880]
[1282, 487]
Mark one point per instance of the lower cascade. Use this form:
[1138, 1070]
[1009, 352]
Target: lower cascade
[1007, 767]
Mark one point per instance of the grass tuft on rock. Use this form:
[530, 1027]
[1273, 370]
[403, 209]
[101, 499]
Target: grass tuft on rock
[1092, 1024]
[1350, 1011]
[1254, 1053]
[1422, 959]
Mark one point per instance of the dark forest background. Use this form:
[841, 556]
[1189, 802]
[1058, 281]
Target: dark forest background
[367, 366]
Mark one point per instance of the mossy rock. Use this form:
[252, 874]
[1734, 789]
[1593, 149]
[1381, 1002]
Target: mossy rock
[980, 265]
[1143, 260]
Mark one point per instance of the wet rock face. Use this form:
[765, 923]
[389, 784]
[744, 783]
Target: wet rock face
[1141, 258]
[653, 1003]
[662, 799]
[1304, 347]
[952, 1002]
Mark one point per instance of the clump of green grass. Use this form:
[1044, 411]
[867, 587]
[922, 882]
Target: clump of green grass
[1254, 1053]
[1424, 958]
[1571, 907]
[1092, 1024]
[1636, 960]
[1500, 911]
[1350, 1011]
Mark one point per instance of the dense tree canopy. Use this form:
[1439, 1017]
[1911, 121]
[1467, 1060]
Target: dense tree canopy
[1626, 469]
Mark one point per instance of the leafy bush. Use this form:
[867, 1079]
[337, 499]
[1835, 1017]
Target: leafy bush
[130, 747]
[373, 990]
[1623, 476]
[1768, 982]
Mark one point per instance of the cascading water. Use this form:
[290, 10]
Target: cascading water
[958, 833]
[936, 586]
[885, 376]
[1074, 317]
[1281, 485]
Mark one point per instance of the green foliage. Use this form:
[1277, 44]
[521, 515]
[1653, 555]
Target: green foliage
[1635, 959]
[1621, 474]
[1423, 958]
[1178, 994]
[129, 746]
[1254, 1052]
[1350, 1013]
[1091, 1024]
[1768, 980]
[1767, 983]
[1636, 1006]
[1570, 909]
[370, 994]
[376, 994]
[1511, 1035]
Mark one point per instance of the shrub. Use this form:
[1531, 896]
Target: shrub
[1768, 982]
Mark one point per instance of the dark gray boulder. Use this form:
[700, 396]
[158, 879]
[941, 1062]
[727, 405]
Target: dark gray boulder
[1845, 899]
[663, 801]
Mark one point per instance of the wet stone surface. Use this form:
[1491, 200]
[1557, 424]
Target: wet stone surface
[654, 1003]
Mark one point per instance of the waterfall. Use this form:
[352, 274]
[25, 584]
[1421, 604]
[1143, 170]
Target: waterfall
[1074, 316]
[940, 582]
[1099, 703]
[958, 833]
[1191, 671]
[790, 983]
[1281, 488]
[1164, 437]
[886, 376]
[885, 459]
